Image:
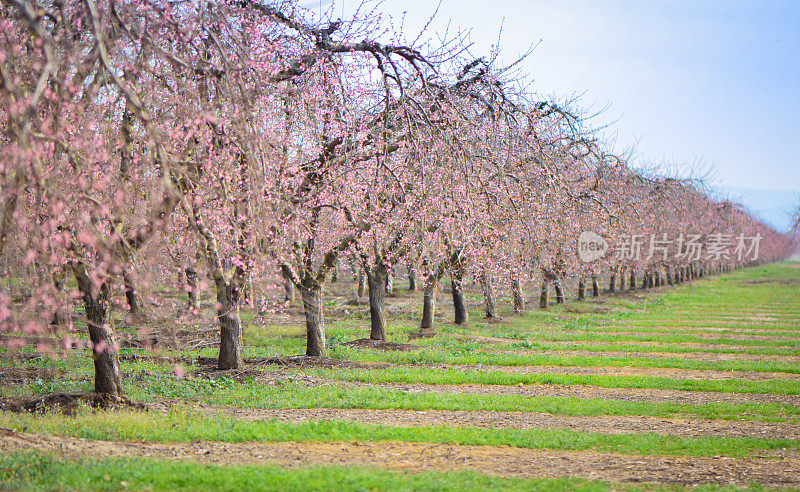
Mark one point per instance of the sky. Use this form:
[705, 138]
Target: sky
[711, 84]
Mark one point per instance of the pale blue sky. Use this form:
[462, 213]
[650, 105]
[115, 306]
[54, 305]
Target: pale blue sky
[716, 82]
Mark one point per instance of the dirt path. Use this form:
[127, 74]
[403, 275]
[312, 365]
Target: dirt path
[699, 356]
[666, 372]
[587, 391]
[788, 337]
[769, 470]
[606, 424]
[694, 345]
[787, 327]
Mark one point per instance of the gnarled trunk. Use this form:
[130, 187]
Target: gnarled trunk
[595, 286]
[621, 280]
[362, 280]
[61, 314]
[632, 283]
[612, 282]
[559, 292]
[378, 280]
[519, 299]
[544, 297]
[412, 279]
[130, 293]
[428, 305]
[581, 290]
[651, 279]
[389, 281]
[461, 314]
[311, 294]
[489, 303]
[107, 379]
[288, 290]
[230, 326]
[192, 289]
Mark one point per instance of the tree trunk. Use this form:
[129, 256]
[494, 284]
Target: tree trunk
[230, 326]
[362, 280]
[107, 380]
[461, 315]
[315, 323]
[581, 290]
[288, 290]
[669, 276]
[621, 280]
[428, 305]
[61, 314]
[612, 283]
[130, 293]
[389, 281]
[559, 292]
[651, 279]
[544, 300]
[519, 299]
[632, 280]
[192, 290]
[595, 286]
[488, 296]
[378, 280]
[412, 279]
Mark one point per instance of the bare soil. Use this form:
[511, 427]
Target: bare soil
[699, 356]
[667, 372]
[775, 469]
[382, 345]
[588, 391]
[694, 345]
[605, 424]
[26, 374]
[66, 403]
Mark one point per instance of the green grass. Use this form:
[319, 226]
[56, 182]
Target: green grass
[472, 353]
[668, 321]
[253, 394]
[399, 374]
[185, 426]
[36, 471]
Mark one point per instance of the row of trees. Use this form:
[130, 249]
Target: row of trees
[251, 142]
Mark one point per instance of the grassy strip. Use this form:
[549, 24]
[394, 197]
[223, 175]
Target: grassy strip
[473, 354]
[638, 326]
[676, 338]
[185, 426]
[790, 327]
[399, 374]
[252, 394]
[36, 471]
[667, 349]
